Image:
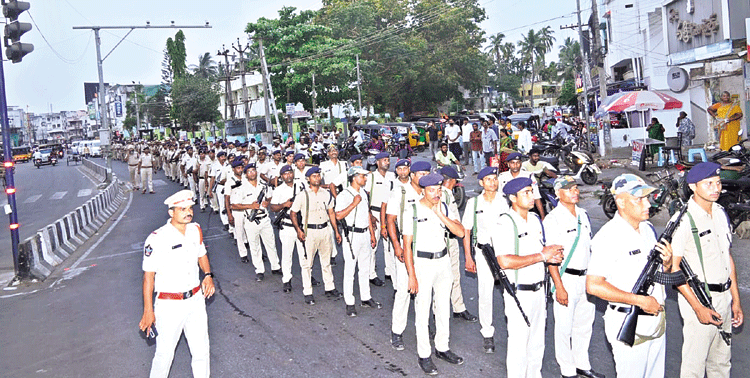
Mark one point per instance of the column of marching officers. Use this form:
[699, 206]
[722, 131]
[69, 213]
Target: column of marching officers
[411, 212]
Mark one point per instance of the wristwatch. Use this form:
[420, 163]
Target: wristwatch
[208, 274]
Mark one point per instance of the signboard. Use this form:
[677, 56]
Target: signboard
[579, 83]
[701, 53]
[747, 32]
[290, 109]
[637, 151]
[118, 109]
[678, 79]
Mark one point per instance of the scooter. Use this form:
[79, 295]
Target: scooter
[580, 164]
[369, 161]
[459, 191]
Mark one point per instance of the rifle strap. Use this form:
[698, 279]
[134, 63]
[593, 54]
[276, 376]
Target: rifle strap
[414, 233]
[401, 210]
[307, 212]
[474, 224]
[698, 248]
[572, 250]
[515, 238]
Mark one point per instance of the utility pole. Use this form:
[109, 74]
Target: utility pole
[586, 76]
[359, 91]
[607, 132]
[268, 97]
[241, 51]
[314, 95]
[104, 125]
[228, 101]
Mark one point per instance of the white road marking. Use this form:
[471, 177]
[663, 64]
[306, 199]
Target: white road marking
[159, 183]
[84, 192]
[104, 236]
[33, 198]
[58, 195]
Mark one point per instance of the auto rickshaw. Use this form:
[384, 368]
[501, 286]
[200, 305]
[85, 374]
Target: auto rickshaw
[417, 138]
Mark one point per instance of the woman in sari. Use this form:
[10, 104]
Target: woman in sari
[506, 147]
[729, 114]
[655, 131]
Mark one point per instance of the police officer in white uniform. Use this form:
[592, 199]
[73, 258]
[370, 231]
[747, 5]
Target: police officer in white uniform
[270, 171]
[215, 186]
[353, 211]
[405, 193]
[300, 172]
[334, 171]
[283, 198]
[619, 252]
[704, 238]
[518, 240]
[203, 164]
[514, 170]
[426, 227]
[172, 255]
[569, 225]
[480, 217]
[379, 185]
[133, 159]
[146, 168]
[233, 193]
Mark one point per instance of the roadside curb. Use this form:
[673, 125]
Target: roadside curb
[54, 243]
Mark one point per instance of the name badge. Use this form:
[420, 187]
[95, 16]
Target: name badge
[176, 246]
[573, 230]
[704, 233]
[522, 235]
[634, 252]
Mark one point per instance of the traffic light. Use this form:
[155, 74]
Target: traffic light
[14, 49]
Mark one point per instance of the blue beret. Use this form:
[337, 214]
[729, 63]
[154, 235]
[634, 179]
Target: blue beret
[515, 185]
[430, 180]
[262, 149]
[237, 162]
[449, 171]
[223, 145]
[312, 171]
[702, 171]
[513, 156]
[188, 148]
[403, 163]
[286, 168]
[298, 156]
[276, 152]
[486, 171]
[221, 153]
[382, 155]
[421, 166]
[355, 157]
[290, 152]
[251, 165]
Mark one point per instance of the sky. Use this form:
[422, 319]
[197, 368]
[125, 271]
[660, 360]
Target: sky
[52, 77]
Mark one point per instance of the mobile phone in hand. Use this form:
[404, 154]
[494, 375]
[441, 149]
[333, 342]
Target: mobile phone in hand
[151, 332]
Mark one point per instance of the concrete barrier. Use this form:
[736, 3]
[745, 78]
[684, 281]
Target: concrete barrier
[51, 245]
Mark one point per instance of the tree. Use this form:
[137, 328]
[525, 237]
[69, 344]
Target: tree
[157, 108]
[496, 43]
[568, 94]
[177, 55]
[206, 67]
[534, 46]
[570, 59]
[194, 100]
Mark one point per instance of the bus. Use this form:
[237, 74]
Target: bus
[21, 153]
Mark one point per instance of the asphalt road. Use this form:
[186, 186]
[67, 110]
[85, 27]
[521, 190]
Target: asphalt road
[82, 321]
[43, 195]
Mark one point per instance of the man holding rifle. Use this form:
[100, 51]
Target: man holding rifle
[519, 244]
[704, 241]
[619, 252]
[283, 198]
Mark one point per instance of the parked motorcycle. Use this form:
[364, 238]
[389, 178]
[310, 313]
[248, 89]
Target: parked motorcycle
[579, 164]
[668, 194]
[459, 191]
[369, 161]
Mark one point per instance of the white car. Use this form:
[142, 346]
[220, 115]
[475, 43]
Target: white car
[96, 148]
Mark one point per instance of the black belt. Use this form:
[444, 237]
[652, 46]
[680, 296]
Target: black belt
[317, 226]
[358, 230]
[287, 224]
[375, 208]
[530, 287]
[575, 272]
[720, 288]
[625, 310]
[432, 255]
[146, 167]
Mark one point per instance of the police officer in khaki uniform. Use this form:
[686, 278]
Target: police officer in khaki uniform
[133, 160]
[146, 168]
[704, 238]
[315, 204]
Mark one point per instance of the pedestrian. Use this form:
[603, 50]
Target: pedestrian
[466, 130]
[489, 143]
[569, 225]
[379, 185]
[172, 255]
[655, 131]
[619, 252]
[450, 179]
[283, 198]
[334, 171]
[705, 242]
[432, 131]
[316, 207]
[479, 218]
[475, 138]
[453, 133]
[427, 224]
[524, 138]
[445, 157]
[727, 115]
[353, 211]
[406, 192]
[146, 168]
[685, 129]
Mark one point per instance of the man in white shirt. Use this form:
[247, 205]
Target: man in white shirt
[524, 138]
[453, 132]
[466, 130]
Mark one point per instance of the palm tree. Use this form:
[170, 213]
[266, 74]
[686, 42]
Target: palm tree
[533, 47]
[570, 62]
[206, 67]
[496, 43]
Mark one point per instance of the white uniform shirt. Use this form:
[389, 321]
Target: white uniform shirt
[530, 242]
[403, 194]
[431, 232]
[203, 166]
[380, 186]
[215, 170]
[487, 215]
[524, 141]
[360, 216]
[235, 194]
[300, 179]
[174, 257]
[146, 160]
[271, 169]
[334, 173]
[506, 176]
[283, 193]
[561, 227]
[249, 193]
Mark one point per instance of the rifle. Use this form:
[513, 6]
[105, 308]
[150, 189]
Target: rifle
[700, 291]
[254, 212]
[650, 276]
[499, 275]
[284, 213]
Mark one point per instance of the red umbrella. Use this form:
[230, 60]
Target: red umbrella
[642, 101]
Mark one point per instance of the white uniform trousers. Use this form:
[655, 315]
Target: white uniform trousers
[175, 171]
[573, 326]
[432, 275]
[239, 234]
[134, 177]
[317, 242]
[192, 185]
[401, 300]
[213, 201]
[644, 360]
[525, 344]
[222, 206]
[703, 349]
[147, 179]
[173, 317]
[202, 192]
[255, 232]
[357, 252]
[288, 237]
[485, 292]
[457, 297]
[388, 255]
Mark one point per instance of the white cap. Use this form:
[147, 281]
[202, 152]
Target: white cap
[183, 198]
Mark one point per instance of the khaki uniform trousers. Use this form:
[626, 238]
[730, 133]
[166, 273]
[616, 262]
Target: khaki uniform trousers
[703, 349]
[317, 242]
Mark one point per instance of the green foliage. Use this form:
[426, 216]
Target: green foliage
[177, 55]
[194, 100]
[157, 108]
[533, 46]
[206, 67]
[570, 59]
[568, 93]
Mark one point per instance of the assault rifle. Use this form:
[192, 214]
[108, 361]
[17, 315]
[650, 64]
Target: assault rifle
[499, 275]
[651, 275]
[254, 212]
